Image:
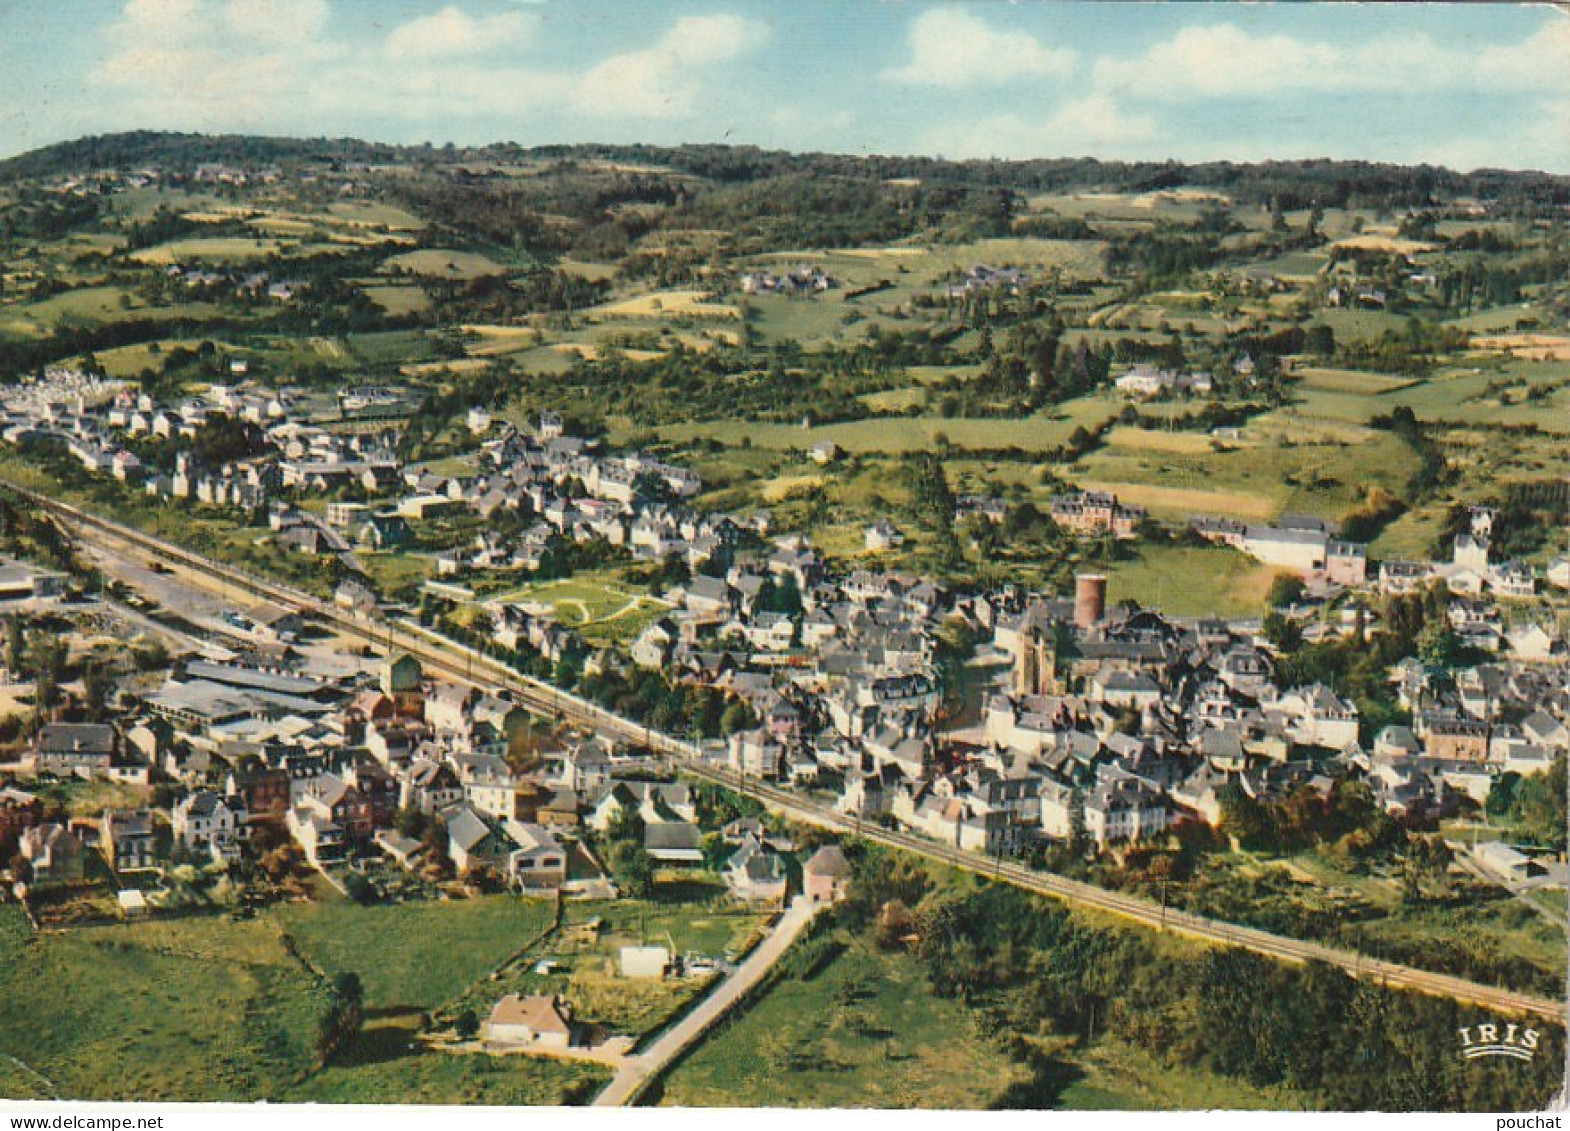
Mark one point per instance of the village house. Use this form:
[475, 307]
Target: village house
[755, 871]
[54, 854]
[204, 820]
[543, 1021]
[76, 749]
[826, 875]
[126, 839]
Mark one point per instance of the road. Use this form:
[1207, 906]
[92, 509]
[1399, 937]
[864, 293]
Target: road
[637, 1071]
[463, 664]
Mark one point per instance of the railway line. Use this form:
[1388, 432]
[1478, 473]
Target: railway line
[461, 663]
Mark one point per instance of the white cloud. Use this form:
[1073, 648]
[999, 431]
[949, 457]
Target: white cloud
[1224, 60]
[239, 65]
[216, 64]
[452, 31]
[1218, 60]
[168, 17]
[1541, 141]
[664, 80]
[1093, 125]
[296, 22]
[1541, 62]
[950, 47]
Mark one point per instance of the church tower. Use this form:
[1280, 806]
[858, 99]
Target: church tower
[1036, 666]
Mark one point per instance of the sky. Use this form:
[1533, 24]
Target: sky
[1463, 85]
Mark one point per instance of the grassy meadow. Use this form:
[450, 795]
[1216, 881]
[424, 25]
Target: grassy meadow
[865, 1031]
[414, 955]
[207, 1009]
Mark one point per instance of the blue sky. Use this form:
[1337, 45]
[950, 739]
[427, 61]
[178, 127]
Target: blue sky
[1464, 85]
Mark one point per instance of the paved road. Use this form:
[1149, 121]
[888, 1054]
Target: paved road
[638, 1070]
[466, 665]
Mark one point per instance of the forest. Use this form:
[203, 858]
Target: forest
[1033, 971]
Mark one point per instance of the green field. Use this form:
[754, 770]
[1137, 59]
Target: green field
[221, 249]
[1113, 1076]
[396, 300]
[1351, 381]
[414, 955]
[374, 214]
[128, 361]
[82, 798]
[690, 915]
[90, 306]
[1552, 900]
[382, 1068]
[864, 1032]
[204, 1009]
[1039, 432]
[1191, 581]
[1294, 465]
[444, 263]
[395, 572]
[195, 1009]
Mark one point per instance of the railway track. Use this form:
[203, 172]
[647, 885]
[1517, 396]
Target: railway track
[467, 665]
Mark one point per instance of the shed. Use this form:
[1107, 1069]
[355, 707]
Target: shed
[644, 961]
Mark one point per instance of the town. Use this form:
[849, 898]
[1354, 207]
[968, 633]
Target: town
[579, 627]
[1000, 722]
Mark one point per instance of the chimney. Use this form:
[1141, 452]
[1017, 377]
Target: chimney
[1090, 599]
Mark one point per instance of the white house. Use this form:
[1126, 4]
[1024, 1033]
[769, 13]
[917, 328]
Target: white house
[206, 820]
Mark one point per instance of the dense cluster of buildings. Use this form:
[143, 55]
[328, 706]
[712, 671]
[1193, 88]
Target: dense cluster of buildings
[1149, 381]
[332, 763]
[1108, 723]
[565, 486]
[981, 278]
[1307, 546]
[802, 280]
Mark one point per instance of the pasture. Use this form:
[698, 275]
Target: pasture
[192, 1009]
[128, 361]
[1351, 381]
[204, 1009]
[211, 249]
[442, 263]
[1191, 581]
[396, 300]
[1186, 500]
[385, 1067]
[667, 304]
[1039, 432]
[1496, 391]
[1113, 1076]
[492, 341]
[1292, 466]
[1150, 440]
[690, 915]
[864, 1031]
[413, 955]
[92, 305]
[374, 214]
